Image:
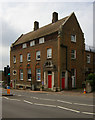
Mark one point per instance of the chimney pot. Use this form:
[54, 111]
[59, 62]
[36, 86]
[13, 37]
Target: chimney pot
[36, 25]
[54, 17]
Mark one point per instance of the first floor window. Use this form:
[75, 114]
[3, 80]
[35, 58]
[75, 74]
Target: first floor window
[38, 74]
[49, 53]
[14, 59]
[73, 54]
[38, 55]
[29, 74]
[21, 74]
[28, 57]
[21, 58]
[88, 58]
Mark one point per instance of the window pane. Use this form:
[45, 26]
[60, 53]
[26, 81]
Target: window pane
[21, 74]
[29, 74]
[28, 57]
[38, 55]
[38, 74]
[73, 38]
[49, 53]
[14, 59]
[41, 40]
[21, 58]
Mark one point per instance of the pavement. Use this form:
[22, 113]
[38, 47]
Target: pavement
[73, 92]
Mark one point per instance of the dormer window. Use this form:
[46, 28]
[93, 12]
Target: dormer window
[41, 40]
[73, 38]
[32, 43]
[24, 45]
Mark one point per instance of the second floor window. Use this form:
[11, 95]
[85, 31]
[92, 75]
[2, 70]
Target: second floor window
[14, 59]
[21, 58]
[88, 58]
[41, 40]
[49, 53]
[73, 54]
[38, 55]
[73, 38]
[32, 43]
[24, 45]
[28, 57]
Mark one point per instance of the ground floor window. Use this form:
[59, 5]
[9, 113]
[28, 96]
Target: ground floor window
[38, 74]
[21, 74]
[29, 74]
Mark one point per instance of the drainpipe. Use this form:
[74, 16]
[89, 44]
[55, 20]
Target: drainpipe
[58, 62]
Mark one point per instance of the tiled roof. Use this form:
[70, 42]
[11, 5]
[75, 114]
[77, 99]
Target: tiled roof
[43, 31]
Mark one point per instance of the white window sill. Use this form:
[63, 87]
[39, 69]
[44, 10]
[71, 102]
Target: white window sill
[29, 80]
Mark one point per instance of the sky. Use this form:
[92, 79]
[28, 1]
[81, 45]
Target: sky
[17, 17]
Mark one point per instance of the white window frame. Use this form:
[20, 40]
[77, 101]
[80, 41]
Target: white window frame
[37, 54]
[41, 40]
[21, 74]
[32, 43]
[24, 45]
[49, 53]
[37, 74]
[73, 38]
[14, 59]
[28, 73]
[88, 58]
[21, 58]
[28, 57]
[73, 54]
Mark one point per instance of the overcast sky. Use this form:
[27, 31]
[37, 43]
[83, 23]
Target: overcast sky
[18, 17]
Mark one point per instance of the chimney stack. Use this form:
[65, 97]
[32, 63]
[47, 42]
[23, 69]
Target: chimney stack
[36, 25]
[54, 17]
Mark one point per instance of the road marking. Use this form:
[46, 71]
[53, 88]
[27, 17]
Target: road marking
[19, 95]
[64, 101]
[69, 109]
[15, 99]
[6, 98]
[34, 97]
[47, 99]
[45, 105]
[83, 104]
[88, 113]
[28, 102]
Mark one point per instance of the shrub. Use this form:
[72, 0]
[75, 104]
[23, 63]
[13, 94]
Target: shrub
[91, 79]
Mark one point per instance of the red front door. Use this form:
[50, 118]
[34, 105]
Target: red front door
[49, 81]
[63, 83]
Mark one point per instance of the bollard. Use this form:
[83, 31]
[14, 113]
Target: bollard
[8, 89]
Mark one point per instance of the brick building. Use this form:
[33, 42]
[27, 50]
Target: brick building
[89, 61]
[52, 55]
